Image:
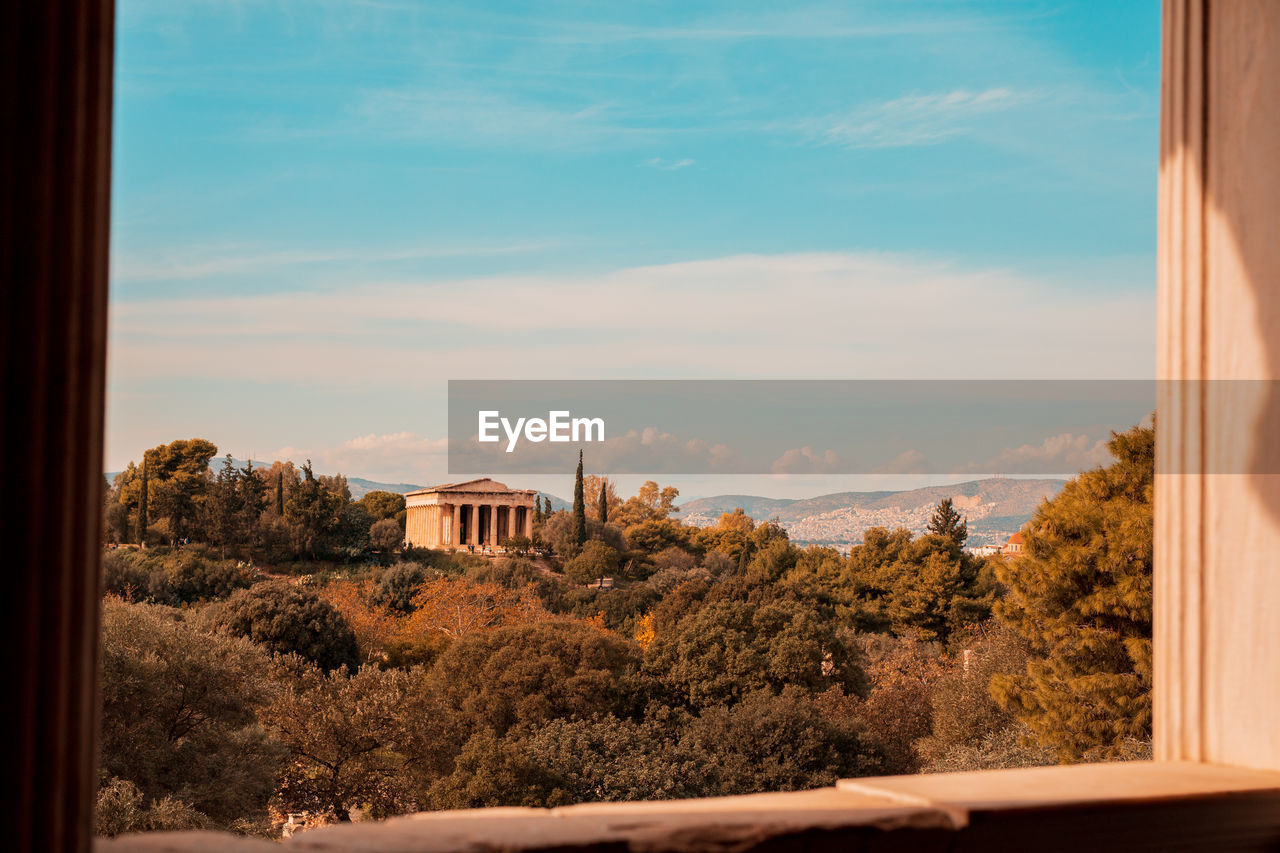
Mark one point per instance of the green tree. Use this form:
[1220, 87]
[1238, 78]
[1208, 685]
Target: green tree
[964, 711]
[178, 712]
[397, 586]
[602, 504]
[142, 506]
[253, 500]
[649, 503]
[490, 770]
[779, 742]
[927, 586]
[381, 505]
[715, 644]
[349, 741]
[225, 506]
[286, 617]
[946, 521]
[579, 507]
[280, 493]
[178, 480]
[314, 510]
[386, 535]
[525, 675]
[1080, 595]
[596, 560]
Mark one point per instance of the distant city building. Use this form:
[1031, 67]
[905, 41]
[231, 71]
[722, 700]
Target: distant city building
[481, 513]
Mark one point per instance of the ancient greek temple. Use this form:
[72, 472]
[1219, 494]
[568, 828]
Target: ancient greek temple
[479, 512]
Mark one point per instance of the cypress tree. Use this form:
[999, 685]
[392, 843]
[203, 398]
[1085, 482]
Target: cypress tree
[546, 508]
[1079, 594]
[142, 506]
[280, 493]
[579, 507]
[602, 505]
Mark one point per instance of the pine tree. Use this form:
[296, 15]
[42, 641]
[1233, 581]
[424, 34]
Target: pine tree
[253, 499]
[579, 507]
[1080, 595]
[142, 506]
[280, 493]
[947, 522]
[224, 505]
[602, 504]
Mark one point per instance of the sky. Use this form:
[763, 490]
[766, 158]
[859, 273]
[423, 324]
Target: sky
[323, 211]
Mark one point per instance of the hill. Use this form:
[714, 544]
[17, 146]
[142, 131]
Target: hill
[995, 508]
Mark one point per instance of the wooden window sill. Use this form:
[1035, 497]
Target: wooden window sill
[1128, 806]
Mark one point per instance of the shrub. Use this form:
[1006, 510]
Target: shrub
[528, 674]
[123, 577]
[779, 742]
[285, 618]
[386, 535]
[965, 714]
[173, 575]
[511, 573]
[121, 808]
[596, 560]
[178, 720]
[397, 586]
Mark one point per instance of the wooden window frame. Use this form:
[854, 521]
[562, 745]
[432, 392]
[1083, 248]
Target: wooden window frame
[1215, 782]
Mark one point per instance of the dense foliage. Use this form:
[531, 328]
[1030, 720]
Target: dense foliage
[288, 618]
[1080, 595]
[294, 656]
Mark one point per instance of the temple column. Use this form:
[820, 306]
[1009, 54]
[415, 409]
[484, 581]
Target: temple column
[528, 522]
[473, 529]
[493, 525]
[455, 531]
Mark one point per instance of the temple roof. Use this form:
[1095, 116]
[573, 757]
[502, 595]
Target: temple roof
[480, 484]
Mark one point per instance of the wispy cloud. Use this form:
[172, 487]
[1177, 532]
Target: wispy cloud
[668, 165]
[797, 23]
[386, 457]
[915, 119]
[206, 262]
[831, 315]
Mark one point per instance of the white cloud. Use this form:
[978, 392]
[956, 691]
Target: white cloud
[806, 460]
[668, 165]
[907, 462]
[392, 457]
[915, 119]
[198, 263]
[1058, 454]
[833, 315]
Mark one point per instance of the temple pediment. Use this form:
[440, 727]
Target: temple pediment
[481, 484]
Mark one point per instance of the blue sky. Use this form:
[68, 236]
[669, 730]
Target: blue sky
[322, 210]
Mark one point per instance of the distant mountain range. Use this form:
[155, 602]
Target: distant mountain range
[995, 508]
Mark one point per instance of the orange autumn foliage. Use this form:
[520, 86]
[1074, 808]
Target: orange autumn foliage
[443, 609]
